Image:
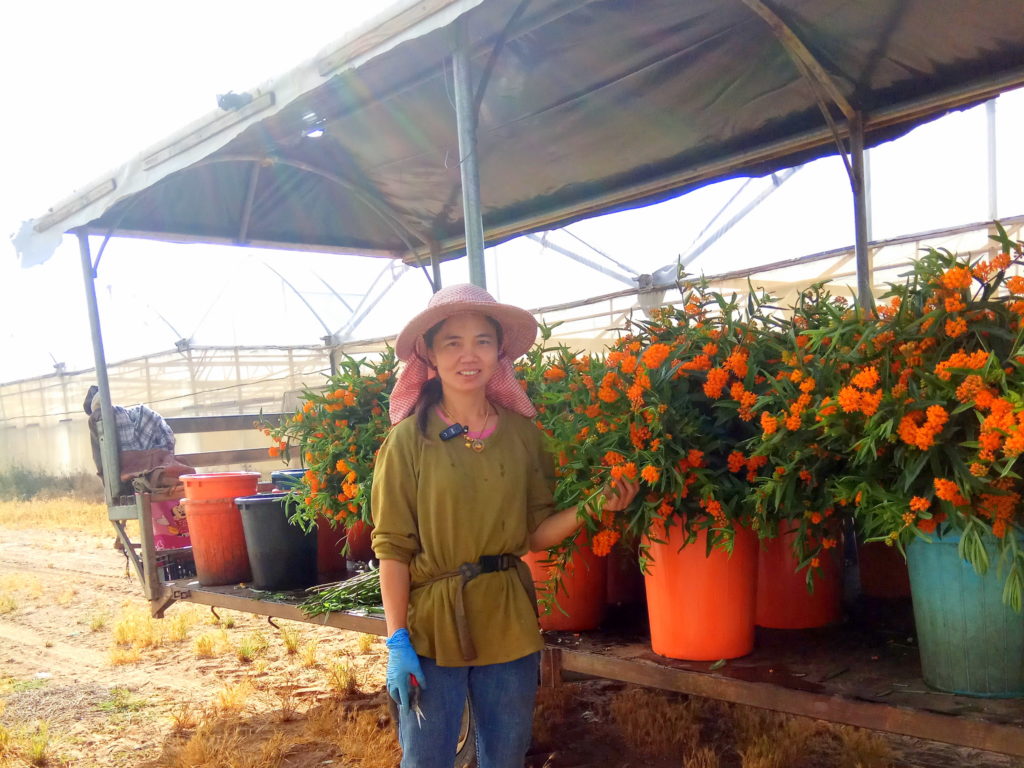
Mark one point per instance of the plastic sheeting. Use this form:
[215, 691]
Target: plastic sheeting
[588, 107]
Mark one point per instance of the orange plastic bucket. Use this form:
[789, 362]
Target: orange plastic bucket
[218, 541]
[220, 485]
[581, 597]
[330, 541]
[701, 607]
[783, 601]
[883, 571]
[359, 541]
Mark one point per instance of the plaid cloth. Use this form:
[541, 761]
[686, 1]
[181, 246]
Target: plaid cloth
[142, 429]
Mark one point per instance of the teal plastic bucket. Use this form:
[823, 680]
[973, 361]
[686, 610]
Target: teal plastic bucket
[970, 642]
[282, 555]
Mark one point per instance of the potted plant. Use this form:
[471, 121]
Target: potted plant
[932, 417]
[800, 562]
[667, 410]
[571, 577]
[338, 431]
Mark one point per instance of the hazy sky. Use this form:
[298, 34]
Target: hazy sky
[88, 85]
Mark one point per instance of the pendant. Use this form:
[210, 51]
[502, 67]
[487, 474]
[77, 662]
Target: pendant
[477, 445]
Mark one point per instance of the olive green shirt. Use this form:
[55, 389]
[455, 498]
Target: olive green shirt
[438, 504]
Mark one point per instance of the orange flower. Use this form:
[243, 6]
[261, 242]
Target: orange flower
[655, 355]
[603, 541]
[769, 424]
[717, 379]
[947, 490]
[611, 458]
[956, 278]
[695, 458]
[629, 470]
[650, 474]
[1015, 284]
[955, 328]
[867, 378]
[554, 373]
[920, 504]
[737, 461]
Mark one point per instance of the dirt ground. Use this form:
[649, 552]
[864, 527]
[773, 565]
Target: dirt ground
[88, 679]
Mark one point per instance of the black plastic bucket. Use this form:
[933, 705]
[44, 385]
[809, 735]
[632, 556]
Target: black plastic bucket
[282, 556]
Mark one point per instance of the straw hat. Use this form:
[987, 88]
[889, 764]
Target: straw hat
[518, 328]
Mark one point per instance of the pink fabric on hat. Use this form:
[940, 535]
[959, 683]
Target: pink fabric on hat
[503, 388]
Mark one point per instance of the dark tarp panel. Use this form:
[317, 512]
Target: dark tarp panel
[590, 107]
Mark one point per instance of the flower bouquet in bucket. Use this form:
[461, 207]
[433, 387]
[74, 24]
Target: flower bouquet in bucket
[338, 430]
[932, 415]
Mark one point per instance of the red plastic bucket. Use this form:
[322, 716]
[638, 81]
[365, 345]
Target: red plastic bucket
[783, 601]
[330, 541]
[359, 541]
[701, 607]
[883, 571]
[218, 541]
[581, 598]
[625, 579]
[220, 485]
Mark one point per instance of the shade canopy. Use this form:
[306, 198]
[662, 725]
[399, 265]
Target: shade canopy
[584, 108]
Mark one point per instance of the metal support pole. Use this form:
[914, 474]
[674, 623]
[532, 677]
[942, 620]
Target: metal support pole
[860, 217]
[993, 194]
[468, 164]
[108, 445]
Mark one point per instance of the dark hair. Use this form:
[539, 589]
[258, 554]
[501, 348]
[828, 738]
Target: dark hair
[431, 392]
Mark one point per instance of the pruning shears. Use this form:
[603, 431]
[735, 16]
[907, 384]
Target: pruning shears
[414, 693]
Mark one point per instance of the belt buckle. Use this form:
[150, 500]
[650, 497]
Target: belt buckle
[490, 563]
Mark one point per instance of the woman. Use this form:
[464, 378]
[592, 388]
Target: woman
[462, 487]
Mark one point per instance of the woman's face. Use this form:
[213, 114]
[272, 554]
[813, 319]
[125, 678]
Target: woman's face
[465, 352]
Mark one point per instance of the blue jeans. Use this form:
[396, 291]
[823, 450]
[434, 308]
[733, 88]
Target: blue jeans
[502, 698]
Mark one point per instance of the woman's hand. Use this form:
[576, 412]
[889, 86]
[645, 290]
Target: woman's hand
[619, 494]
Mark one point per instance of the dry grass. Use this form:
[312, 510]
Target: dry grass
[656, 724]
[250, 646]
[862, 749]
[21, 584]
[234, 697]
[25, 747]
[343, 677]
[291, 638]
[59, 514]
[364, 734]
[122, 656]
[550, 713]
[137, 629]
[703, 757]
[308, 654]
[66, 597]
[365, 643]
[185, 715]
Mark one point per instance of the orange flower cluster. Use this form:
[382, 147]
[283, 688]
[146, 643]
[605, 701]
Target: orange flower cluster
[738, 462]
[655, 355]
[345, 397]
[920, 428]
[856, 397]
[999, 507]
[603, 541]
[947, 490]
[1001, 430]
[715, 383]
[745, 398]
[960, 359]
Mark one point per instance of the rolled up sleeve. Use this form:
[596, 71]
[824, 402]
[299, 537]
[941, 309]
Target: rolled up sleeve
[393, 497]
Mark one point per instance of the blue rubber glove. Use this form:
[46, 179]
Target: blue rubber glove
[402, 662]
